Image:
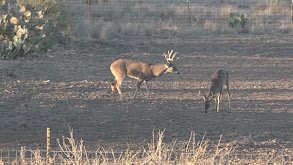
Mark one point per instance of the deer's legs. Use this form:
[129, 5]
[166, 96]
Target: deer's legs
[119, 82]
[229, 96]
[219, 97]
[113, 86]
[147, 89]
[227, 86]
[137, 87]
[218, 102]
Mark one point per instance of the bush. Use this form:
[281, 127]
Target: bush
[236, 21]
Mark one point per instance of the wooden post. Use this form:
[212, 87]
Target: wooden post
[292, 16]
[8, 156]
[48, 146]
[89, 10]
[188, 8]
[31, 157]
[16, 158]
[89, 17]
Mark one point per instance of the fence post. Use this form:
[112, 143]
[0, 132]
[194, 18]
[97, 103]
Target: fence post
[48, 146]
[89, 10]
[31, 157]
[89, 18]
[8, 155]
[188, 8]
[16, 158]
[292, 16]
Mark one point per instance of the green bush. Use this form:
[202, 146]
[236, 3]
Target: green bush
[29, 26]
[236, 21]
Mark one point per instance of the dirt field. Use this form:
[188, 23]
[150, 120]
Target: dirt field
[71, 88]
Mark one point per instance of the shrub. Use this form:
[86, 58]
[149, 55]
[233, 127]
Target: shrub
[236, 21]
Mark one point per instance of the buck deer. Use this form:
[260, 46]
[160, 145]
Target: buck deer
[219, 79]
[141, 71]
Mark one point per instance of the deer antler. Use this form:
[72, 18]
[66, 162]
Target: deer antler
[168, 57]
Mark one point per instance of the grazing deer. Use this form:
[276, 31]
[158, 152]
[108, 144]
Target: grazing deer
[219, 79]
[141, 71]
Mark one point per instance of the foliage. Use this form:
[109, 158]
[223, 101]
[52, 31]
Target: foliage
[27, 26]
[236, 21]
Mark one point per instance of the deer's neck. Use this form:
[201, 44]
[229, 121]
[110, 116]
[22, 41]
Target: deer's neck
[159, 69]
[214, 89]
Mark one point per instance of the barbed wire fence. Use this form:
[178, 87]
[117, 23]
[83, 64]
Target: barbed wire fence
[53, 156]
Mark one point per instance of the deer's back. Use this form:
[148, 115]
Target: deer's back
[219, 79]
[220, 74]
[129, 67]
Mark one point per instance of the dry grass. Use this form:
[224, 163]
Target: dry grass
[156, 19]
[156, 152]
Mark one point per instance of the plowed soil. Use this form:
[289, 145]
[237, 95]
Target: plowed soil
[70, 88]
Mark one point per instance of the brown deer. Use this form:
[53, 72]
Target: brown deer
[141, 71]
[219, 79]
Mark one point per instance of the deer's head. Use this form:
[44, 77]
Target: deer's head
[207, 102]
